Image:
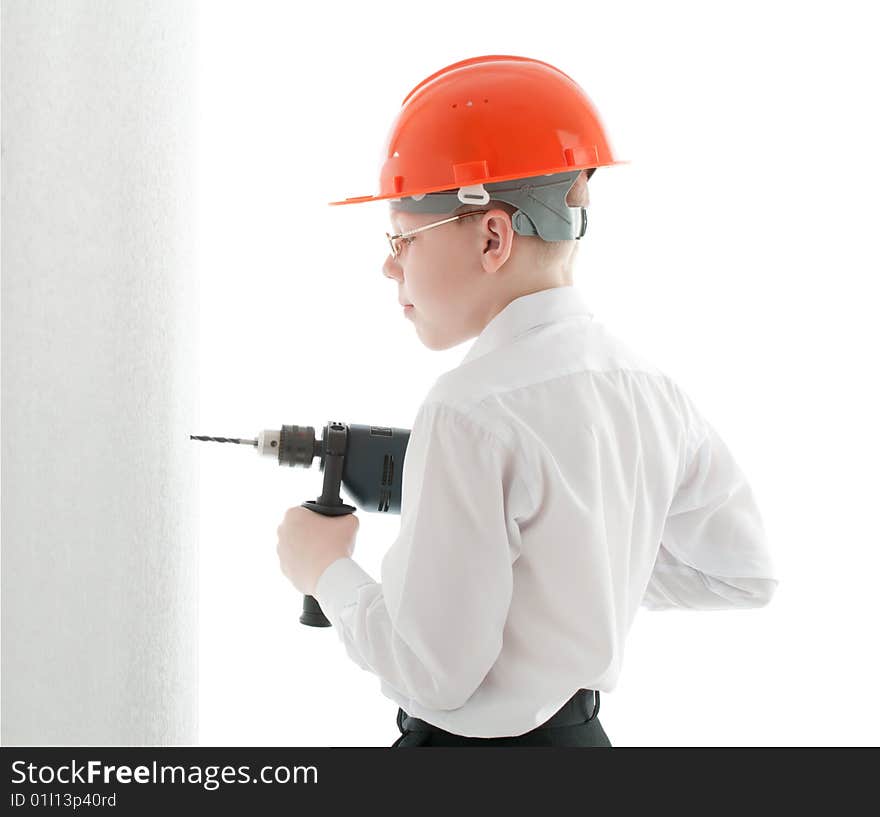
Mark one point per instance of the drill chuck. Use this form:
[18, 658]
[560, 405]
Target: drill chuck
[292, 445]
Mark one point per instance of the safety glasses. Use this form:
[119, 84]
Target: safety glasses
[396, 241]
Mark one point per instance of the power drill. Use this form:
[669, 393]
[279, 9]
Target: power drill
[367, 460]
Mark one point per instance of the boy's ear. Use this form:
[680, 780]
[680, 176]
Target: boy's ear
[493, 256]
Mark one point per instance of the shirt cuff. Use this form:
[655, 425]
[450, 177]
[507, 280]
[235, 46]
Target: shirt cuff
[338, 585]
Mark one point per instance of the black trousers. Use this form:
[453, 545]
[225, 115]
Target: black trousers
[575, 724]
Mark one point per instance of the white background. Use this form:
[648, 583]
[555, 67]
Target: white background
[737, 251]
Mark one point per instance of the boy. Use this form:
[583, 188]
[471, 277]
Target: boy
[554, 480]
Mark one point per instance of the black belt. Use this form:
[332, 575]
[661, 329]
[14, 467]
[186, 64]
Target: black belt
[582, 707]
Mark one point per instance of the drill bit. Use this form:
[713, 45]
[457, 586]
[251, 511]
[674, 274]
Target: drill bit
[224, 440]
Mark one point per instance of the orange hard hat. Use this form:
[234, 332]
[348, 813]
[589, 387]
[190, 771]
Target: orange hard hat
[489, 119]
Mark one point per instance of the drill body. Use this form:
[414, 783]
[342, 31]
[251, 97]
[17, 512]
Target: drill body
[366, 460]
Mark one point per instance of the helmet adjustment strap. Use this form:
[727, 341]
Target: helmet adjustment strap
[540, 202]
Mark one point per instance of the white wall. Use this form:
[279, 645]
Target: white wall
[99, 373]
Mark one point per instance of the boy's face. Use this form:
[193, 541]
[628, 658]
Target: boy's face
[445, 273]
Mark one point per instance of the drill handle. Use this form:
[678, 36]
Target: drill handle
[312, 614]
[335, 442]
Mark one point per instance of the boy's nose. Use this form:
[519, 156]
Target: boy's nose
[391, 269]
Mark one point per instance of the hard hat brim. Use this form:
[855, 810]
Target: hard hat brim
[488, 180]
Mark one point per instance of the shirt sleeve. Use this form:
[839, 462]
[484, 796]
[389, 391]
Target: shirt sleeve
[713, 552]
[433, 627]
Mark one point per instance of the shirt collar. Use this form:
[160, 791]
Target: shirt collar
[527, 312]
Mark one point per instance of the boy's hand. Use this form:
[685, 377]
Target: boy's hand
[309, 542]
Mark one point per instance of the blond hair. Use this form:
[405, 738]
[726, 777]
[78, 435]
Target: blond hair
[548, 254]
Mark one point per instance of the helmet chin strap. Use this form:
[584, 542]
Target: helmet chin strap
[540, 202]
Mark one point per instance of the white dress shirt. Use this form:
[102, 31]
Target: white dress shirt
[553, 482]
